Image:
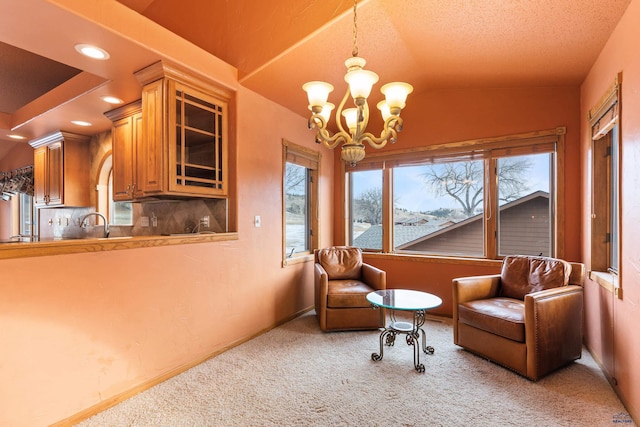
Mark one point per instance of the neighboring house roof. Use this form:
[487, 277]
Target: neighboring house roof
[407, 233]
[372, 237]
[412, 221]
[474, 218]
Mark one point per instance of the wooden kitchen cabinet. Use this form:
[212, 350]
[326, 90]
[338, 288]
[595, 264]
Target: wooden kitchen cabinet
[126, 134]
[184, 134]
[61, 170]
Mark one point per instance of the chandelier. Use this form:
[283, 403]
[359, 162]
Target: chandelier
[360, 83]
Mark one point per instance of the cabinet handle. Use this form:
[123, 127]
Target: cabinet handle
[128, 189]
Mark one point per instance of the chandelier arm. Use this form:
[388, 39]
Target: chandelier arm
[330, 141]
[377, 142]
[339, 112]
[388, 133]
[363, 120]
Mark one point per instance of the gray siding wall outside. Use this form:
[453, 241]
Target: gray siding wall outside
[524, 229]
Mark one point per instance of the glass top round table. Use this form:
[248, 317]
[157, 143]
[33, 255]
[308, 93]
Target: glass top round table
[416, 302]
[404, 299]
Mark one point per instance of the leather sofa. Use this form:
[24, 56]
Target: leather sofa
[342, 281]
[528, 318]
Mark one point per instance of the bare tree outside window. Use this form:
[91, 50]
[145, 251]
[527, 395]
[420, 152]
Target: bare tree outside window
[365, 211]
[299, 202]
[464, 182]
[368, 206]
[296, 202]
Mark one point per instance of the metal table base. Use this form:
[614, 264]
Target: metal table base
[413, 331]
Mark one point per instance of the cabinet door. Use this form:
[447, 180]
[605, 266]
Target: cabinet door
[198, 142]
[123, 161]
[150, 145]
[55, 173]
[137, 172]
[40, 176]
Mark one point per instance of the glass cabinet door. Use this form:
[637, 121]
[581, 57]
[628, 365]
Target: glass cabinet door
[200, 142]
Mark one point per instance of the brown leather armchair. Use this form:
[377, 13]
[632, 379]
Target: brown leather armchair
[528, 318]
[342, 282]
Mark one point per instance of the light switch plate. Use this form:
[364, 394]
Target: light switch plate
[257, 221]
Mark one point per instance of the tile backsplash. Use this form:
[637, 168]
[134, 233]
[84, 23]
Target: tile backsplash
[149, 218]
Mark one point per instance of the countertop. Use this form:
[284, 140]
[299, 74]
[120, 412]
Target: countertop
[56, 246]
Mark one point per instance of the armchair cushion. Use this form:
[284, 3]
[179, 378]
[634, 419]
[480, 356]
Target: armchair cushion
[348, 293]
[499, 316]
[522, 275]
[341, 262]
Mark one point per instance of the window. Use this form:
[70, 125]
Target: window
[483, 199]
[605, 200]
[118, 213]
[300, 202]
[524, 208]
[26, 215]
[430, 199]
[366, 209]
[22, 215]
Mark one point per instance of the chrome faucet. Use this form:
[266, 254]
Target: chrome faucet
[83, 222]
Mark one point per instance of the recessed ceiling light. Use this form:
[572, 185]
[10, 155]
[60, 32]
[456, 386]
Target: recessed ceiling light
[112, 100]
[16, 136]
[80, 123]
[92, 51]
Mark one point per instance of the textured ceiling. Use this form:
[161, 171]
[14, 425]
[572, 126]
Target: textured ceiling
[278, 45]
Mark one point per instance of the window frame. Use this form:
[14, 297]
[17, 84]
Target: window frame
[309, 159]
[349, 182]
[604, 120]
[551, 140]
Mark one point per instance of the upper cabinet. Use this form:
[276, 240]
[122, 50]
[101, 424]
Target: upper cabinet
[126, 134]
[182, 146]
[61, 170]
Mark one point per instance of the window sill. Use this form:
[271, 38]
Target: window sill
[607, 281]
[434, 259]
[297, 260]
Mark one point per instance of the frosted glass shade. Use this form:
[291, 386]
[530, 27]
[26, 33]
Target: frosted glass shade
[317, 92]
[396, 94]
[384, 110]
[326, 111]
[360, 82]
[351, 117]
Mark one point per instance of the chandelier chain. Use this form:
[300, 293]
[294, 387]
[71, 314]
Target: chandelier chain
[355, 29]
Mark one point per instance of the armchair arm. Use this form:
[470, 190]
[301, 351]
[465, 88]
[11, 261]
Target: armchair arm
[321, 285]
[475, 287]
[553, 328]
[374, 277]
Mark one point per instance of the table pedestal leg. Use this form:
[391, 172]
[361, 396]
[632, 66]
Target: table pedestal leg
[412, 332]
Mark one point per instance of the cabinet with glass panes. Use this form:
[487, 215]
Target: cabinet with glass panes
[185, 134]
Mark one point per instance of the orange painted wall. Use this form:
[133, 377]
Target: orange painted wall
[611, 327]
[18, 156]
[462, 114]
[78, 329]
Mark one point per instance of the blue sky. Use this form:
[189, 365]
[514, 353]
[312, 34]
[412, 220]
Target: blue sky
[412, 194]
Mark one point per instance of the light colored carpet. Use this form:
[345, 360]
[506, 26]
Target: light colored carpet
[295, 375]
